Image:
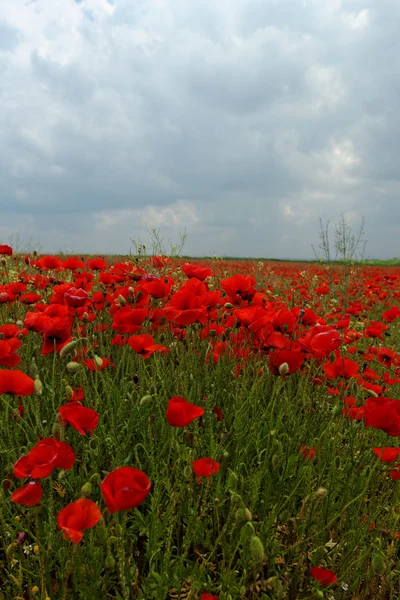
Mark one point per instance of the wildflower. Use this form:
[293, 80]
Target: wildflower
[180, 412]
[29, 494]
[79, 417]
[78, 516]
[125, 488]
[204, 467]
[323, 576]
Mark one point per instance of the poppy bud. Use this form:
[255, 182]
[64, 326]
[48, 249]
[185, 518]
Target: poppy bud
[86, 489]
[109, 563]
[56, 431]
[38, 387]
[69, 392]
[12, 548]
[283, 368]
[232, 479]
[61, 475]
[378, 563]
[73, 367]
[228, 305]
[98, 360]
[85, 317]
[35, 590]
[121, 300]
[68, 348]
[36, 549]
[321, 492]
[33, 368]
[243, 514]
[131, 290]
[284, 516]
[257, 549]
[145, 400]
[276, 461]
[371, 393]
[336, 411]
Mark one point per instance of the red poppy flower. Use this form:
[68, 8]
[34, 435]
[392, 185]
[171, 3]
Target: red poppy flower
[185, 308]
[293, 358]
[197, 271]
[30, 298]
[387, 455]
[307, 453]
[205, 467]
[97, 264]
[326, 341]
[239, 287]
[144, 345]
[78, 516]
[92, 365]
[207, 596]
[16, 382]
[180, 412]
[125, 488]
[323, 576]
[29, 494]
[284, 320]
[46, 455]
[72, 263]
[48, 263]
[127, 320]
[6, 250]
[79, 417]
[76, 297]
[384, 414]
[158, 288]
[56, 333]
[342, 367]
[8, 358]
[395, 475]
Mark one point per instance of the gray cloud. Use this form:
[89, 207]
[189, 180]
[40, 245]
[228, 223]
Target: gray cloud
[243, 121]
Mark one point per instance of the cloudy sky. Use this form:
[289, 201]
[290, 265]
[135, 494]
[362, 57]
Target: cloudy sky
[241, 122]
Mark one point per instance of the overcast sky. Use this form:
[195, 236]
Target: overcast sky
[239, 121]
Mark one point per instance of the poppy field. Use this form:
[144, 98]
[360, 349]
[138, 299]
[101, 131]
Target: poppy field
[205, 430]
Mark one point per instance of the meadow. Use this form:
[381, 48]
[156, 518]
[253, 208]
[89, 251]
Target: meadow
[209, 430]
